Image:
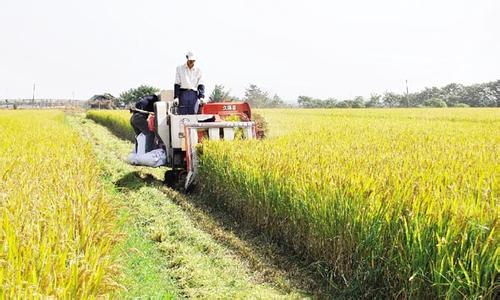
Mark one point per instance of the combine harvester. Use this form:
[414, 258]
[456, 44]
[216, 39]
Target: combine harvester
[179, 135]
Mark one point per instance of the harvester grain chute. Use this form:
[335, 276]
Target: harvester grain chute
[179, 135]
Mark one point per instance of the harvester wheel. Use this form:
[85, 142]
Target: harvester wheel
[181, 181]
[171, 178]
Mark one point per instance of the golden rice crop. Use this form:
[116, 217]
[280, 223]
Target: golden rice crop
[397, 202]
[118, 121]
[57, 228]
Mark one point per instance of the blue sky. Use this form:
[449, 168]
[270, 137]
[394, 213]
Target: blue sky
[316, 48]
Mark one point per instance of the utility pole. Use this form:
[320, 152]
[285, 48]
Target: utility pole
[33, 98]
[407, 96]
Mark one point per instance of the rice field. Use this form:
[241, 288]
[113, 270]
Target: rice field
[404, 202]
[400, 203]
[57, 228]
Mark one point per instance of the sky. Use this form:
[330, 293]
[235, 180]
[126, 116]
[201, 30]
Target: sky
[75, 49]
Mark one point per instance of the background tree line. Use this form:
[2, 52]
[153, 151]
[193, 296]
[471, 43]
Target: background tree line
[451, 95]
[255, 96]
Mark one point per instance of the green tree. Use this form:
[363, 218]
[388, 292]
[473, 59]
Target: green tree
[358, 102]
[495, 88]
[275, 102]
[133, 95]
[453, 94]
[309, 102]
[344, 104]
[256, 97]
[305, 101]
[374, 101]
[392, 99]
[435, 102]
[219, 94]
[329, 103]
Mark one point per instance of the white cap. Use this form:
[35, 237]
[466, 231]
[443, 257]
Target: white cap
[190, 56]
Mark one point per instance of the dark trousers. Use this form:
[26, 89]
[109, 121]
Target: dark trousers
[188, 102]
[139, 123]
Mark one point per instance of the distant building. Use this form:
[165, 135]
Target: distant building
[104, 101]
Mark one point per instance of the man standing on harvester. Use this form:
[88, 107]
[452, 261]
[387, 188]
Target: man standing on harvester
[189, 90]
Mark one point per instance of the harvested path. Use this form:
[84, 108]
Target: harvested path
[172, 249]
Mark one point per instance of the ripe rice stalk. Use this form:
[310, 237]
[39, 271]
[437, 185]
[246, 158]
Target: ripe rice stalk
[399, 201]
[57, 228]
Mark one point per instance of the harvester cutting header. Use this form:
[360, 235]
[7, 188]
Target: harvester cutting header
[170, 125]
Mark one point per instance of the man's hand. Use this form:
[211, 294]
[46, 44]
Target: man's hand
[176, 102]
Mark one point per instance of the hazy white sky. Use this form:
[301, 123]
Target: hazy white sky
[316, 48]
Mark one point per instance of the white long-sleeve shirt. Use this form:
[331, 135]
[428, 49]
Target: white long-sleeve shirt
[188, 78]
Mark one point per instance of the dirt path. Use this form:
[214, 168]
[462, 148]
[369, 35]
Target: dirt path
[173, 247]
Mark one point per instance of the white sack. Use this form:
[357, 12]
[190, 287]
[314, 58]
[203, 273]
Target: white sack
[154, 158]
